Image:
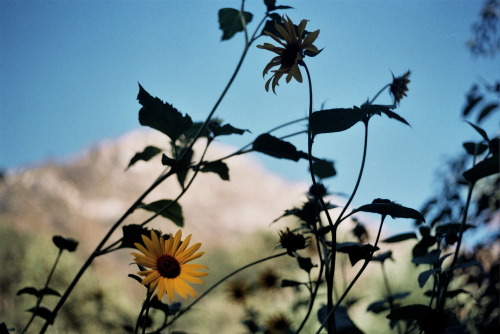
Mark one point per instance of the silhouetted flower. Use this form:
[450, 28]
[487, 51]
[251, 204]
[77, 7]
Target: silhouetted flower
[269, 279]
[399, 86]
[168, 260]
[238, 291]
[291, 51]
[278, 324]
[292, 241]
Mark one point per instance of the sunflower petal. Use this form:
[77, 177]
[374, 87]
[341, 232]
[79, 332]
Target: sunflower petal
[169, 287]
[309, 40]
[283, 33]
[182, 247]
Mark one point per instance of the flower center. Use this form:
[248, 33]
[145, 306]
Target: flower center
[289, 56]
[168, 266]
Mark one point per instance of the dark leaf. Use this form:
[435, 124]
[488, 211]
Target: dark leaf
[486, 111]
[305, 263]
[343, 324]
[166, 208]
[420, 249]
[312, 53]
[270, 25]
[356, 251]
[480, 131]
[424, 276]
[162, 116]
[43, 312]
[146, 155]
[382, 257]
[442, 229]
[475, 148]
[278, 148]
[226, 129]
[471, 103]
[388, 208]
[137, 278]
[49, 291]
[133, 234]
[230, 21]
[484, 168]
[400, 237]
[28, 290]
[401, 295]
[65, 243]
[430, 258]
[410, 312]
[4, 329]
[217, 167]
[380, 109]
[289, 283]
[393, 115]
[378, 306]
[324, 169]
[464, 265]
[335, 120]
[271, 5]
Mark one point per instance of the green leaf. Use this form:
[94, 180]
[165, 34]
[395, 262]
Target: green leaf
[387, 208]
[487, 167]
[230, 21]
[278, 148]
[424, 276]
[400, 237]
[218, 167]
[162, 116]
[137, 278]
[145, 155]
[65, 243]
[43, 312]
[324, 169]
[166, 208]
[430, 258]
[335, 120]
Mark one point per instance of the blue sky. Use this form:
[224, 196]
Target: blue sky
[69, 73]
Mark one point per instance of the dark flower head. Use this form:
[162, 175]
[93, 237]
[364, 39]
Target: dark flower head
[399, 86]
[278, 324]
[290, 53]
[238, 291]
[269, 279]
[292, 241]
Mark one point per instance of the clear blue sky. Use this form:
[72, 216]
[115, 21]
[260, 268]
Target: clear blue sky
[69, 73]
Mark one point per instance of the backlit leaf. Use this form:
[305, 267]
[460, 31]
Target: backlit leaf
[324, 169]
[166, 208]
[486, 111]
[400, 237]
[278, 148]
[162, 116]
[43, 312]
[28, 290]
[335, 120]
[475, 148]
[145, 155]
[387, 208]
[230, 21]
[218, 167]
[484, 168]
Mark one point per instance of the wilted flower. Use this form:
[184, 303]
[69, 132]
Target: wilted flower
[168, 260]
[291, 51]
[292, 241]
[399, 86]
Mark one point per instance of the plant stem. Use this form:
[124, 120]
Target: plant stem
[389, 294]
[39, 299]
[219, 283]
[365, 264]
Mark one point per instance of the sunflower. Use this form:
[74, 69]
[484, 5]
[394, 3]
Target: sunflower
[168, 260]
[291, 51]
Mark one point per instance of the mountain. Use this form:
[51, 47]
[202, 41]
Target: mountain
[83, 195]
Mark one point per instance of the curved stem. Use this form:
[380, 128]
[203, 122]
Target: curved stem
[360, 175]
[91, 258]
[219, 283]
[47, 282]
[361, 270]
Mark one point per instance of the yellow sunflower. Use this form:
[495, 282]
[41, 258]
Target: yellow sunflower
[291, 51]
[168, 260]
